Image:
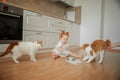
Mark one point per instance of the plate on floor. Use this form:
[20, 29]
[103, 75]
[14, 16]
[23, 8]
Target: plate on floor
[73, 60]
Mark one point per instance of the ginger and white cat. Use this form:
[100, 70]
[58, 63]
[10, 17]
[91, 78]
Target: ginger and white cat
[97, 47]
[17, 49]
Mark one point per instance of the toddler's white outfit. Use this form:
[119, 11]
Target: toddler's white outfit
[65, 52]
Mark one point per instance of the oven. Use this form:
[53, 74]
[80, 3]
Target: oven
[11, 24]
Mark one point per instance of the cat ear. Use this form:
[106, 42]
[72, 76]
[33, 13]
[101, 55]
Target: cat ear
[40, 42]
[35, 41]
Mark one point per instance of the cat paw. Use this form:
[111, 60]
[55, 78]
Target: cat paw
[17, 62]
[34, 60]
[100, 62]
[84, 59]
[88, 61]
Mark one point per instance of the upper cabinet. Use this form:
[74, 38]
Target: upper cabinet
[67, 3]
[61, 9]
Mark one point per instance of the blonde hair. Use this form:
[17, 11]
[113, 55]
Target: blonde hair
[63, 33]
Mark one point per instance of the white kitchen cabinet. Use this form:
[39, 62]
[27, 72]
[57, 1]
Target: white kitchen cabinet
[33, 36]
[74, 32]
[57, 28]
[54, 38]
[47, 29]
[69, 2]
[57, 25]
[36, 22]
[59, 22]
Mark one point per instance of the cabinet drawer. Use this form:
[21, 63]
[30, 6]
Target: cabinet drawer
[57, 28]
[35, 35]
[54, 38]
[37, 23]
[59, 22]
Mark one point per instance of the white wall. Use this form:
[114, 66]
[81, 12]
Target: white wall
[90, 21]
[112, 20]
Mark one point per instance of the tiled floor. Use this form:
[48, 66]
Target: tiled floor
[47, 69]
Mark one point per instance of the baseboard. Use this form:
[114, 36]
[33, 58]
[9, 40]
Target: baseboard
[114, 50]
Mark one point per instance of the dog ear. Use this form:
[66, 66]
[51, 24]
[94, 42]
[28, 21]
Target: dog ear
[108, 42]
[84, 46]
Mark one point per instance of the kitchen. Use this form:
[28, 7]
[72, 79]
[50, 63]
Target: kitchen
[85, 20]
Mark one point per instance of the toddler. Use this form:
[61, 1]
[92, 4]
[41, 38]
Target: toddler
[61, 47]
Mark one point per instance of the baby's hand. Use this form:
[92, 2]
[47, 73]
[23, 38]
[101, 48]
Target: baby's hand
[60, 49]
[54, 55]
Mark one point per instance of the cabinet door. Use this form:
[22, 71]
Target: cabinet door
[34, 21]
[57, 25]
[54, 38]
[70, 2]
[39, 36]
[74, 31]
[76, 34]
[57, 28]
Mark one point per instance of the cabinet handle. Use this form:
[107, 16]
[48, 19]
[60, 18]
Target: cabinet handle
[61, 30]
[38, 33]
[60, 22]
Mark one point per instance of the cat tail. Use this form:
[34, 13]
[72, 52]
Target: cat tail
[108, 42]
[9, 49]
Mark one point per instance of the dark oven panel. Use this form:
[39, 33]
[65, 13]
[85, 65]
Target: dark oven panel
[11, 24]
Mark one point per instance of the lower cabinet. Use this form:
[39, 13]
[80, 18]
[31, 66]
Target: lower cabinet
[54, 38]
[74, 32]
[49, 39]
[43, 37]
